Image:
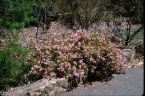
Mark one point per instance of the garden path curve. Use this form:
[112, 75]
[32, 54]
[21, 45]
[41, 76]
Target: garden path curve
[130, 83]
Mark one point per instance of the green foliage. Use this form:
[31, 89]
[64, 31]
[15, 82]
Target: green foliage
[125, 14]
[16, 13]
[138, 17]
[129, 8]
[90, 12]
[12, 65]
[80, 13]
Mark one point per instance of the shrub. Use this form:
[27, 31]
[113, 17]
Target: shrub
[15, 15]
[12, 68]
[80, 54]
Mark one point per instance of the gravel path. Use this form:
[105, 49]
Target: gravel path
[130, 83]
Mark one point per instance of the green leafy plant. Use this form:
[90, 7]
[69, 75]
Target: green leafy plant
[16, 14]
[12, 65]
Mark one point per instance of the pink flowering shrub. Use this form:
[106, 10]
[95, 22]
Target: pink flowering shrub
[78, 54]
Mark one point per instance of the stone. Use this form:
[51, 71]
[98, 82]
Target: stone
[34, 93]
[62, 83]
[49, 89]
[129, 55]
[139, 49]
[59, 90]
[43, 87]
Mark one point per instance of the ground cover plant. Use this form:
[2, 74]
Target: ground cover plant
[78, 54]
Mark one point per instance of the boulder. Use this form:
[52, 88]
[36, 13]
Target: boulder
[43, 87]
[139, 49]
[129, 55]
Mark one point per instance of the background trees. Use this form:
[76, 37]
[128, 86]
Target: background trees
[126, 13]
[16, 13]
[79, 13]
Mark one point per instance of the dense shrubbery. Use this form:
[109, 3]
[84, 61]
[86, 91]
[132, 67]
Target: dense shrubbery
[80, 54]
[16, 14]
[12, 67]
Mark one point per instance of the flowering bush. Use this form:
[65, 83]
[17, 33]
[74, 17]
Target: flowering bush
[78, 54]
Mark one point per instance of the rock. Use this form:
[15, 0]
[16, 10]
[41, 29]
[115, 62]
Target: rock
[34, 93]
[129, 55]
[139, 49]
[62, 83]
[57, 91]
[43, 87]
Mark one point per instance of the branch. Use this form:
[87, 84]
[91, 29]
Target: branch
[118, 30]
[137, 31]
[121, 25]
[121, 34]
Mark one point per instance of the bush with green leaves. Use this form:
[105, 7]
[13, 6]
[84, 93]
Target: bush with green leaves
[16, 13]
[79, 54]
[12, 67]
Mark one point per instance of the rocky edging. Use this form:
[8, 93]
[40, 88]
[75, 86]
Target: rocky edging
[43, 87]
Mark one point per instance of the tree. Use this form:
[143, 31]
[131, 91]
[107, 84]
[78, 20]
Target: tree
[128, 11]
[80, 13]
[16, 13]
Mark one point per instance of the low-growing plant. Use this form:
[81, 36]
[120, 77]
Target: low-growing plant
[80, 54]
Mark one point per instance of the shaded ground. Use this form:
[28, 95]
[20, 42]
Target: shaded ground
[130, 83]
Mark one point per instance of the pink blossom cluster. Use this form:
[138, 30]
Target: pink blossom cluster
[72, 55]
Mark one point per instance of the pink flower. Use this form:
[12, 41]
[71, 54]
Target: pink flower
[74, 68]
[45, 63]
[47, 47]
[70, 76]
[69, 68]
[37, 67]
[79, 44]
[76, 74]
[58, 69]
[74, 62]
[58, 61]
[37, 49]
[81, 73]
[80, 66]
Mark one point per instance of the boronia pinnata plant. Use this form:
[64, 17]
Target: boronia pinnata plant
[71, 56]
